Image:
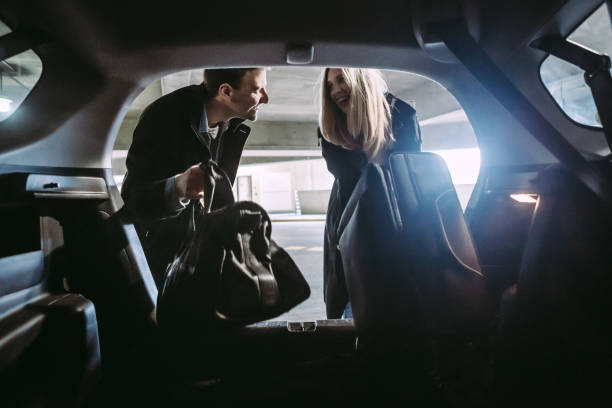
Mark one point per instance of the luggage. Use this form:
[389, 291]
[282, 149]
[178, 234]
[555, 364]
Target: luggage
[228, 270]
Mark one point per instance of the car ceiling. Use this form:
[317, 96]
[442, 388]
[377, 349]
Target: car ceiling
[103, 32]
[103, 55]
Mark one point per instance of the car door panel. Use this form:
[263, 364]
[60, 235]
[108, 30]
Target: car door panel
[49, 348]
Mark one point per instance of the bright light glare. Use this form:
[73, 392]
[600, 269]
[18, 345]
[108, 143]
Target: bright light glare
[463, 164]
[524, 198]
[5, 105]
[118, 180]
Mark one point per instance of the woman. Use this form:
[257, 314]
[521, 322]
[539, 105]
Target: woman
[359, 123]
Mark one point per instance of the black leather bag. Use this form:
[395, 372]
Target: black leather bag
[228, 270]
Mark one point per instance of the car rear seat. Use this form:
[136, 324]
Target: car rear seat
[555, 325]
[409, 261]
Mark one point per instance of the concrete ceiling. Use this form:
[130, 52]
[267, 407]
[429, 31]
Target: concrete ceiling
[294, 93]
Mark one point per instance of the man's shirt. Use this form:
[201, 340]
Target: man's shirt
[206, 136]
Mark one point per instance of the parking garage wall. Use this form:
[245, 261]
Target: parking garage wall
[274, 178]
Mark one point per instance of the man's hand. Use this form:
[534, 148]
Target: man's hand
[190, 183]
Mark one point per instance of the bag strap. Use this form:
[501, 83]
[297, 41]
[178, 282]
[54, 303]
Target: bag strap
[217, 187]
[218, 193]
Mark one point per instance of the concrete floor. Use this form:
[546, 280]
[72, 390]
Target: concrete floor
[304, 242]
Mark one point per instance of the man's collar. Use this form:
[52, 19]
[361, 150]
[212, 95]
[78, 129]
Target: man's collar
[203, 128]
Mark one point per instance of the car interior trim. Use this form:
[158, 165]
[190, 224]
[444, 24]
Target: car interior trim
[13, 279]
[19, 41]
[445, 234]
[15, 300]
[18, 332]
[475, 59]
[75, 187]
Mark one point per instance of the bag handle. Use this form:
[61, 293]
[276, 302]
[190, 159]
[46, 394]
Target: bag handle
[216, 182]
[218, 193]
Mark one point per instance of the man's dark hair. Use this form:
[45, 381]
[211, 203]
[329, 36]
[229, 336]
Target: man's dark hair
[213, 78]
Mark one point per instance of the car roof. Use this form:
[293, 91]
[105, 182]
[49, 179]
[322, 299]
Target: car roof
[99, 56]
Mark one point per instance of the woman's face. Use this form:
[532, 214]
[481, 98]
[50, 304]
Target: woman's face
[338, 89]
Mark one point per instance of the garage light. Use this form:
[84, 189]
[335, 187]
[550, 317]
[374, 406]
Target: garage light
[524, 198]
[5, 104]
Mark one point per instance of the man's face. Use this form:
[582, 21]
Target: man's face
[245, 101]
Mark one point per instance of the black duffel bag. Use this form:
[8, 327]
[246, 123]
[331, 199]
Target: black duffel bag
[228, 270]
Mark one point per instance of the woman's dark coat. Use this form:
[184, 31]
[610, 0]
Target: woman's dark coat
[346, 166]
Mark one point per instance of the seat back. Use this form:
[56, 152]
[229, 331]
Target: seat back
[409, 260]
[555, 327]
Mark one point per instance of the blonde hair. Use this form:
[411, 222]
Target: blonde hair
[367, 125]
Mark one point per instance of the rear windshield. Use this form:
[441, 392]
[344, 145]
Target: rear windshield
[18, 75]
[282, 168]
[565, 81]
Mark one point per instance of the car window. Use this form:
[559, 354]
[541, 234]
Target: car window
[292, 113]
[565, 81]
[282, 168]
[18, 75]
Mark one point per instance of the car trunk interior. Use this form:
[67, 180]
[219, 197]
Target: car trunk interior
[77, 298]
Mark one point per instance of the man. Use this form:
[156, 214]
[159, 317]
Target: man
[175, 134]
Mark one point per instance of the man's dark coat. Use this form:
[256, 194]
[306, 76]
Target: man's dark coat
[166, 143]
[346, 166]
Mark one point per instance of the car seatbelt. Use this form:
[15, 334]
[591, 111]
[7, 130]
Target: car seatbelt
[456, 36]
[596, 68]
